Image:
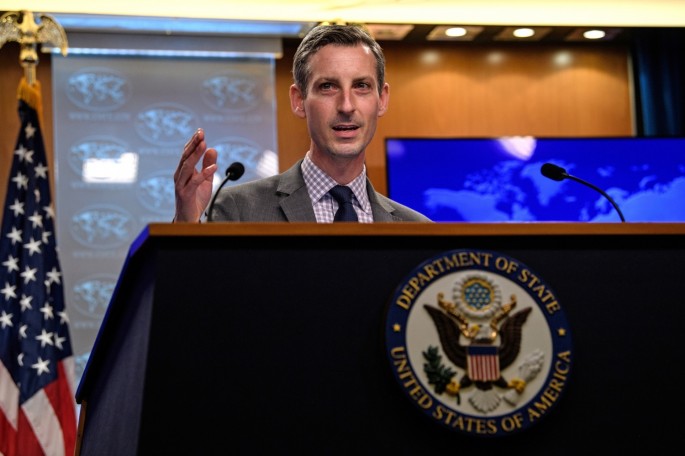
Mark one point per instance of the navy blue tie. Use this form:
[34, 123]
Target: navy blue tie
[346, 212]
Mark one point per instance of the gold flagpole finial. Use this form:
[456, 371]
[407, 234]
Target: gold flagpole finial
[21, 26]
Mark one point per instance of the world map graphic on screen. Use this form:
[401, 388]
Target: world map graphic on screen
[499, 179]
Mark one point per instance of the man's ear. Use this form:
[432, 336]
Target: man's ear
[297, 102]
[384, 100]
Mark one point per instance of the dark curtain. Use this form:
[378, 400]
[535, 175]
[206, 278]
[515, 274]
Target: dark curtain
[659, 72]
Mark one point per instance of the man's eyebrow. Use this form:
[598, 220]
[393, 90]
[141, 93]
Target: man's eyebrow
[325, 79]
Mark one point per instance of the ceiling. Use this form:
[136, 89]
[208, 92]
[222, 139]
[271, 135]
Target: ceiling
[620, 13]
[406, 20]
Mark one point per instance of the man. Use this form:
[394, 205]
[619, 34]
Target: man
[340, 90]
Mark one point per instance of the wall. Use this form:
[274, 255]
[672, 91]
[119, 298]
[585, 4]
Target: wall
[438, 89]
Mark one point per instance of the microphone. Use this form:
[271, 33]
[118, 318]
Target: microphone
[557, 173]
[233, 172]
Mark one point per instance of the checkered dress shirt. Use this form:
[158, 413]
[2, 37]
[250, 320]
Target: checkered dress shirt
[319, 183]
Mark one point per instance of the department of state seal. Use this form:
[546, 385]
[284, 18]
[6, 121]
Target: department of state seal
[478, 342]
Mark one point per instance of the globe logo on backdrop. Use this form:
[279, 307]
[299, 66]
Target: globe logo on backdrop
[165, 124]
[156, 192]
[98, 89]
[231, 93]
[102, 226]
[93, 293]
[249, 153]
[95, 148]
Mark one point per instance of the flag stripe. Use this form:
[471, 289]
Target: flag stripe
[45, 423]
[8, 434]
[61, 397]
[9, 398]
[27, 443]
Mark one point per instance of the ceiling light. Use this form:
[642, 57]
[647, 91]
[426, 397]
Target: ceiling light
[454, 33]
[584, 34]
[524, 33]
[594, 34]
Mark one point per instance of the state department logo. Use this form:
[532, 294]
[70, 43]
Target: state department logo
[102, 226]
[91, 295]
[232, 92]
[165, 124]
[244, 150]
[478, 342]
[156, 192]
[98, 89]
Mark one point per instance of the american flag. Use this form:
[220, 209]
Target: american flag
[37, 405]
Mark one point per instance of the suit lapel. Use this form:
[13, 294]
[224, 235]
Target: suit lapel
[298, 206]
[293, 196]
[382, 212]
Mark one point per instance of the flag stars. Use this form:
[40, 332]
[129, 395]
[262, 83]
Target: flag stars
[58, 341]
[25, 302]
[21, 180]
[30, 130]
[5, 320]
[9, 291]
[41, 171]
[28, 156]
[33, 246]
[17, 208]
[22, 331]
[41, 366]
[29, 274]
[49, 211]
[21, 153]
[12, 264]
[54, 276]
[20, 360]
[14, 235]
[63, 317]
[36, 219]
[45, 237]
[47, 310]
[45, 338]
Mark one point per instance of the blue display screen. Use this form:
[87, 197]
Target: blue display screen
[499, 179]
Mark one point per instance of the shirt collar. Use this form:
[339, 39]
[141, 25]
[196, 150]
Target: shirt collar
[319, 183]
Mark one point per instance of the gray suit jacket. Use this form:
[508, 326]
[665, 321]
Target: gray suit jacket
[284, 198]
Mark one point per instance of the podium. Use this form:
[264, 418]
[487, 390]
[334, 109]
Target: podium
[268, 339]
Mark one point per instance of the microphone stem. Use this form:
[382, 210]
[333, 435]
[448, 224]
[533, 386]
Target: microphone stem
[211, 203]
[210, 208]
[611, 200]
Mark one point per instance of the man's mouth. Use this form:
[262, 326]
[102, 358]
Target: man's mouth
[345, 127]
